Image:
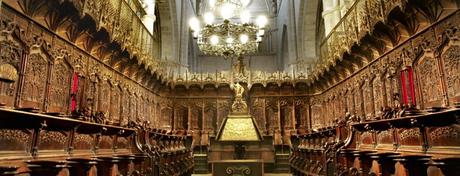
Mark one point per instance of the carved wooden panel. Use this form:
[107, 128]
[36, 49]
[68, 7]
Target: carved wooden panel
[53, 140]
[368, 99]
[181, 117]
[15, 140]
[157, 121]
[105, 142]
[60, 86]
[358, 98]
[104, 97]
[429, 80]
[210, 113]
[125, 108]
[351, 100]
[123, 143]
[344, 103]
[223, 109]
[271, 112]
[258, 112]
[411, 137]
[35, 77]
[166, 116]
[451, 60]
[91, 93]
[287, 113]
[366, 138]
[10, 65]
[378, 95]
[301, 114]
[132, 108]
[442, 137]
[315, 114]
[83, 141]
[140, 109]
[196, 117]
[115, 107]
[385, 139]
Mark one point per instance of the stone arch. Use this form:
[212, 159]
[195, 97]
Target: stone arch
[168, 27]
[308, 24]
[284, 54]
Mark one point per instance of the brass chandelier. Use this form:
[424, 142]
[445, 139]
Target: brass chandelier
[232, 37]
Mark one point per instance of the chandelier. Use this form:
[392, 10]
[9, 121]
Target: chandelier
[231, 37]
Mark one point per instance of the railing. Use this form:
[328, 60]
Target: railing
[228, 77]
[122, 20]
[354, 25]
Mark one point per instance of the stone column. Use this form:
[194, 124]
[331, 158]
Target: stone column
[344, 5]
[150, 18]
[331, 14]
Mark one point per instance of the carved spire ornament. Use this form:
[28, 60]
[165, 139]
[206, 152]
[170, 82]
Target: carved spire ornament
[239, 124]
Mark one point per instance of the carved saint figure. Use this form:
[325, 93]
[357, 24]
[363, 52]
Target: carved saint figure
[239, 105]
[239, 90]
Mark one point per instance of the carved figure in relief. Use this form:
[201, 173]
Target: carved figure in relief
[258, 112]
[430, 84]
[210, 116]
[452, 66]
[60, 95]
[36, 73]
[238, 89]
[239, 104]
[397, 105]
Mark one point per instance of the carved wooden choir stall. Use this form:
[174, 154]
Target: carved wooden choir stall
[398, 112]
[66, 108]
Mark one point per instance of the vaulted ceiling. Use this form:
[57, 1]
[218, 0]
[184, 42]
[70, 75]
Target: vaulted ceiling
[300, 17]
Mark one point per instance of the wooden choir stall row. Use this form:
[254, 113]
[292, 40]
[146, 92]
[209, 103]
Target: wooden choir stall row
[41, 144]
[421, 144]
[397, 112]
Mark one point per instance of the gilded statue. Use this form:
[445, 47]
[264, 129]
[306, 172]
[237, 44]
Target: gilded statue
[239, 104]
[238, 89]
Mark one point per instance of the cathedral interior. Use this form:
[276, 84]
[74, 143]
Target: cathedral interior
[230, 87]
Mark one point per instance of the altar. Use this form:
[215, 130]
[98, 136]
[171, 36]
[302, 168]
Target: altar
[239, 147]
[238, 167]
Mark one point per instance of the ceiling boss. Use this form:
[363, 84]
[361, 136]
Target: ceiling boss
[229, 37]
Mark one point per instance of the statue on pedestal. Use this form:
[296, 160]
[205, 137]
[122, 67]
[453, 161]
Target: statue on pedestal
[239, 104]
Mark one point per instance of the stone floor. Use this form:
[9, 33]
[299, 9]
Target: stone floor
[267, 174]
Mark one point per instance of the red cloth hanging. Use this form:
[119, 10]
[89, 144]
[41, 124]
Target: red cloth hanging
[403, 87]
[74, 91]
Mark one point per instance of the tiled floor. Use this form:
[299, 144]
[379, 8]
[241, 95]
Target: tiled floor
[264, 174]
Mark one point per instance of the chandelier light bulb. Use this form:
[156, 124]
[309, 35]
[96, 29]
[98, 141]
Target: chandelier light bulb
[195, 34]
[227, 11]
[261, 32]
[208, 18]
[261, 21]
[194, 24]
[212, 3]
[244, 38]
[245, 17]
[214, 40]
[259, 39]
[229, 40]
